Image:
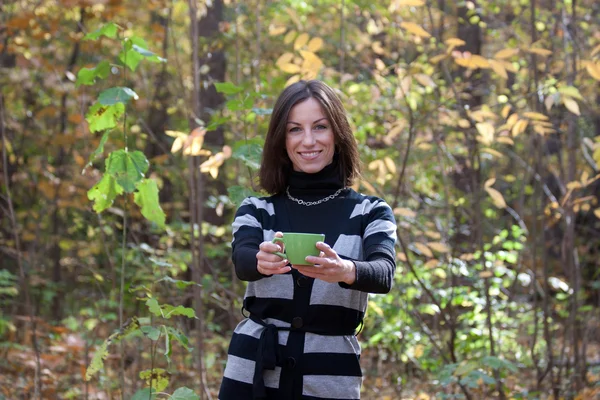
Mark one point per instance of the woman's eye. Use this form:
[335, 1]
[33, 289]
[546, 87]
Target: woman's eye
[295, 129]
[320, 127]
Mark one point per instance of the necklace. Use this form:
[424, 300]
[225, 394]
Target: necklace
[312, 203]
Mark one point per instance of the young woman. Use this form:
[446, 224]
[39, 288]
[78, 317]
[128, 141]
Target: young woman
[298, 341]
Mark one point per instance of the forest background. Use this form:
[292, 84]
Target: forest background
[130, 131]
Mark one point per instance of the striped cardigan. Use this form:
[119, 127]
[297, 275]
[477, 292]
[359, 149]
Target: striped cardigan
[300, 340]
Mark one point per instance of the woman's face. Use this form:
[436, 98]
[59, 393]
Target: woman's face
[309, 141]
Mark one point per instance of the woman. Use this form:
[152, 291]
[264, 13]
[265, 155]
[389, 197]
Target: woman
[299, 339]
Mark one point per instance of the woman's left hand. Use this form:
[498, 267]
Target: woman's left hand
[328, 267]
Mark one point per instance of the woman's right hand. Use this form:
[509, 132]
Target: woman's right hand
[269, 263]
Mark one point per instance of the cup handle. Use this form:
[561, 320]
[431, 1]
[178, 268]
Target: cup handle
[280, 254]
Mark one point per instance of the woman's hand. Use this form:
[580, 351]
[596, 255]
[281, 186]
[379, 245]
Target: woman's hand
[269, 263]
[329, 267]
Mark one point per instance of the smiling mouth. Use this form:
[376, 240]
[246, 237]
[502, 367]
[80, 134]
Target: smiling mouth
[309, 154]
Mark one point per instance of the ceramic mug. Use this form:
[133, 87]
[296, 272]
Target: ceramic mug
[297, 246]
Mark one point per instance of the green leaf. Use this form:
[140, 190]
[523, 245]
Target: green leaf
[178, 283]
[250, 154]
[100, 149]
[101, 117]
[150, 56]
[170, 311]
[87, 76]
[128, 168]
[145, 394]
[181, 338]
[167, 345]
[151, 332]
[156, 378]
[498, 363]
[184, 393]
[97, 362]
[227, 88]
[147, 198]
[239, 105]
[109, 30]
[103, 194]
[154, 307]
[116, 95]
[465, 368]
[237, 194]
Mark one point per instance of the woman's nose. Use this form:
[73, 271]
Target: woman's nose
[309, 138]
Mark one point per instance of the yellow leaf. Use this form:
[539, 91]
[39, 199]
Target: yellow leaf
[379, 65]
[177, 134]
[418, 352]
[424, 80]
[571, 105]
[472, 62]
[505, 140]
[413, 3]
[438, 58]
[439, 247]
[391, 166]
[401, 257]
[177, 145]
[597, 212]
[536, 116]
[512, 120]
[505, 111]
[276, 30]
[574, 185]
[312, 62]
[315, 44]
[486, 274]
[285, 58]
[454, 42]
[431, 263]
[290, 68]
[497, 197]
[594, 70]
[376, 46]
[464, 123]
[300, 41]
[289, 37]
[492, 152]
[373, 306]
[433, 235]
[540, 52]
[423, 249]
[570, 91]
[415, 29]
[595, 51]
[519, 127]
[404, 212]
[498, 68]
[584, 177]
[506, 53]
[486, 130]
[489, 183]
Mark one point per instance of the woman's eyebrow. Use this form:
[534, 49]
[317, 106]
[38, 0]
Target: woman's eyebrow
[314, 122]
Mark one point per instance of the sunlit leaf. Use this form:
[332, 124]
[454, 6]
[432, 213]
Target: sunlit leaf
[423, 249]
[489, 183]
[404, 212]
[146, 197]
[539, 52]
[410, 3]
[497, 197]
[536, 116]
[597, 212]
[519, 127]
[289, 37]
[100, 149]
[315, 44]
[101, 117]
[486, 130]
[128, 168]
[87, 76]
[424, 80]
[570, 91]
[109, 30]
[438, 247]
[104, 193]
[145, 394]
[498, 68]
[275, 30]
[156, 378]
[491, 151]
[301, 41]
[227, 88]
[285, 58]
[571, 105]
[506, 53]
[415, 29]
[290, 68]
[593, 68]
[184, 393]
[454, 42]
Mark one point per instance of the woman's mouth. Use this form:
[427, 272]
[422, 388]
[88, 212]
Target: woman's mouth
[309, 155]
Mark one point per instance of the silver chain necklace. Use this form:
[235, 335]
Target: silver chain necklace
[312, 203]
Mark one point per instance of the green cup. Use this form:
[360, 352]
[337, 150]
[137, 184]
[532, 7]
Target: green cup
[297, 246]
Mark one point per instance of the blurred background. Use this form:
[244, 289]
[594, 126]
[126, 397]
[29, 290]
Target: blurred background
[132, 129]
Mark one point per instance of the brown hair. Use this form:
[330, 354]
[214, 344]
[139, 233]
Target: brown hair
[276, 165]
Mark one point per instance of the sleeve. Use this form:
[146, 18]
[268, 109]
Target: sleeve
[376, 273]
[247, 236]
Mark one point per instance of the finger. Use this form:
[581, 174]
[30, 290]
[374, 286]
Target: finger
[278, 234]
[269, 247]
[274, 271]
[270, 257]
[325, 248]
[273, 264]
